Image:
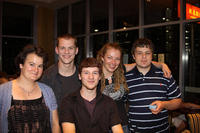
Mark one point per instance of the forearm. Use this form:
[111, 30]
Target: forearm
[157, 64]
[172, 104]
[164, 67]
[68, 127]
[117, 129]
[191, 106]
[55, 126]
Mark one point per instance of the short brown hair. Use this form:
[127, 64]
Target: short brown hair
[142, 42]
[90, 62]
[29, 49]
[67, 36]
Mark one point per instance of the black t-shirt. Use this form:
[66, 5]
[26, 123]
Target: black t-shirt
[61, 85]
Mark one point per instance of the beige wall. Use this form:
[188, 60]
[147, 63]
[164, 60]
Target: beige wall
[45, 31]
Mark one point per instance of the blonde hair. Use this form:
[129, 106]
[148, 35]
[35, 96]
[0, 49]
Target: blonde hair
[118, 74]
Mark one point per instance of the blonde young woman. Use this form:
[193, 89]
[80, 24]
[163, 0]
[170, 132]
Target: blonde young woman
[28, 106]
[113, 82]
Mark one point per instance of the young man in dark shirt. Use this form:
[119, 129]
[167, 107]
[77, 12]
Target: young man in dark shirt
[62, 77]
[87, 110]
[151, 95]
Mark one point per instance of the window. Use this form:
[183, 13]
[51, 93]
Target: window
[96, 42]
[125, 40]
[166, 43]
[159, 11]
[78, 18]
[126, 13]
[11, 47]
[81, 49]
[98, 15]
[17, 19]
[62, 21]
[17, 32]
[192, 60]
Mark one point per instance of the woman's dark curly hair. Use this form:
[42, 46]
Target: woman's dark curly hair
[29, 49]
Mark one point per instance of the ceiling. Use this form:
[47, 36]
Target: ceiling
[47, 3]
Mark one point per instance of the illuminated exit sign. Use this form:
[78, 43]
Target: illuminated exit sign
[192, 12]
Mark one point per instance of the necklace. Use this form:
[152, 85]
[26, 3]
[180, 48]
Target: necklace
[109, 78]
[27, 91]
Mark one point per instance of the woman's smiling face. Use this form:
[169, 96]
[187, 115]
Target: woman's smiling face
[111, 60]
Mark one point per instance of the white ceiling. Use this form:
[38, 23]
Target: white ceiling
[48, 3]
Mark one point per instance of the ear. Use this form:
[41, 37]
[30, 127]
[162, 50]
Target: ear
[133, 56]
[56, 49]
[79, 76]
[76, 50]
[102, 58]
[20, 66]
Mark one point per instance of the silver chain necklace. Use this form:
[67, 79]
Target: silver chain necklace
[28, 92]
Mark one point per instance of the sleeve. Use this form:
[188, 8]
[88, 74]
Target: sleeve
[173, 90]
[1, 96]
[49, 96]
[66, 111]
[53, 103]
[114, 115]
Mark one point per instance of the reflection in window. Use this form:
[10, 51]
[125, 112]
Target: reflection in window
[17, 19]
[10, 48]
[96, 42]
[157, 11]
[166, 41]
[192, 59]
[78, 18]
[98, 15]
[125, 40]
[62, 21]
[126, 13]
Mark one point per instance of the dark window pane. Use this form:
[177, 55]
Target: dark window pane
[166, 41]
[192, 60]
[98, 15]
[126, 13]
[157, 11]
[17, 19]
[62, 21]
[81, 49]
[78, 18]
[10, 48]
[125, 40]
[96, 42]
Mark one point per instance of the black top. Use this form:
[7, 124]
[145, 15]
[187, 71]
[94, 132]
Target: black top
[105, 114]
[29, 116]
[118, 96]
[61, 85]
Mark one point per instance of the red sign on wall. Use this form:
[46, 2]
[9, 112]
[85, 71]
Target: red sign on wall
[192, 12]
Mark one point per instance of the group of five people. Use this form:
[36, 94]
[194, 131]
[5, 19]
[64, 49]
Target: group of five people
[85, 93]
